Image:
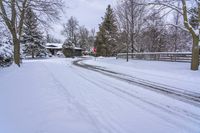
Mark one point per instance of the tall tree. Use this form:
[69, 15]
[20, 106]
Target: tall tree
[186, 12]
[130, 17]
[70, 30]
[12, 13]
[107, 36]
[154, 35]
[86, 38]
[178, 40]
[32, 37]
[91, 39]
[83, 38]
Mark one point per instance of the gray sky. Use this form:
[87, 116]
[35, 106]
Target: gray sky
[87, 12]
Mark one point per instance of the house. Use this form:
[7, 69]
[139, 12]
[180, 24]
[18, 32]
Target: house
[54, 48]
[71, 52]
[78, 51]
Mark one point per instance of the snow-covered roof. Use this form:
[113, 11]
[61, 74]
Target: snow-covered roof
[77, 48]
[54, 45]
[72, 47]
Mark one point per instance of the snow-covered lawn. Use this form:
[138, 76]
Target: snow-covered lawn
[174, 74]
[55, 96]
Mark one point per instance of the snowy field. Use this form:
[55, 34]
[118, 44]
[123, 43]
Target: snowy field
[57, 96]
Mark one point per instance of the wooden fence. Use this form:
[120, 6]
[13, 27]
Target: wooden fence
[159, 56]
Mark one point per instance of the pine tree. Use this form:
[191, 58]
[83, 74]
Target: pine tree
[106, 40]
[6, 52]
[32, 38]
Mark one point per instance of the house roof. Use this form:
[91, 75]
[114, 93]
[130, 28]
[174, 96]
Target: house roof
[78, 48]
[54, 46]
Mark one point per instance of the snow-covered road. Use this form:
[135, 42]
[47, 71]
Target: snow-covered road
[55, 96]
[178, 93]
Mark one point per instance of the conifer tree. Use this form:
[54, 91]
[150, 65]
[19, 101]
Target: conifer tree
[6, 54]
[32, 37]
[106, 40]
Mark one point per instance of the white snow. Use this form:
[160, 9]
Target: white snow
[54, 96]
[54, 45]
[176, 74]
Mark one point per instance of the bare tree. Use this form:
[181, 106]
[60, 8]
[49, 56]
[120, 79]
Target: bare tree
[83, 38]
[131, 19]
[70, 30]
[154, 34]
[91, 39]
[12, 13]
[185, 13]
[178, 40]
[176, 19]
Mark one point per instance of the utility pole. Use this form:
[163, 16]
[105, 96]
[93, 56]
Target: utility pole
[127, 34]
[132, 28]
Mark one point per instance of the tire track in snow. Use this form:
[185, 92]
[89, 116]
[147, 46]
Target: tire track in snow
[183, 114]
[186, 96]
[83, 111]
[112, 127]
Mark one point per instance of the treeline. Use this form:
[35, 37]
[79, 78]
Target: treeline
[133, 27]
[151, 26]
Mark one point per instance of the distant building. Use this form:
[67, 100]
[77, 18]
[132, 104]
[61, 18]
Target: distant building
[54, 48]
[71, 52]
[78, 51]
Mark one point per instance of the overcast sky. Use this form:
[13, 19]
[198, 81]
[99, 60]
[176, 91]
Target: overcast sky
[87, 12]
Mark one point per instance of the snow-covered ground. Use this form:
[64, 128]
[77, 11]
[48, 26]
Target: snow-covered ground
[55, 96]
[176, 74]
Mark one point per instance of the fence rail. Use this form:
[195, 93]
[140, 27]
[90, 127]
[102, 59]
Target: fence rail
[159, 56]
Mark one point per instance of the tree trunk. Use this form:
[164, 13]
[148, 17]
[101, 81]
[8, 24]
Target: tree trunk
[195, 53]
[32, 52]
[127, 52]
[132, 48]
[16, 51]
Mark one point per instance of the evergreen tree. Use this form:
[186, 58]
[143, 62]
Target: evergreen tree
[32, 38]
[6, 52]
[106, 40]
